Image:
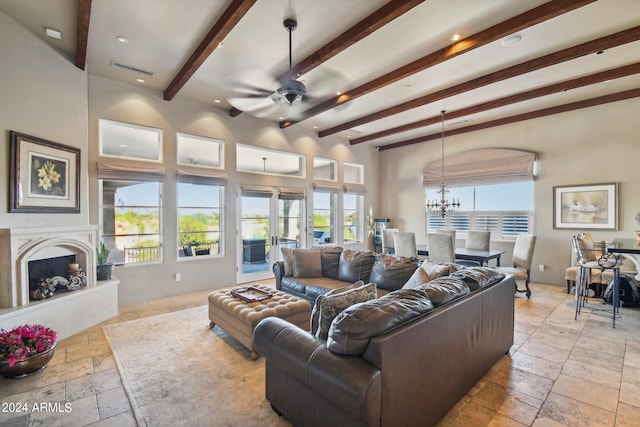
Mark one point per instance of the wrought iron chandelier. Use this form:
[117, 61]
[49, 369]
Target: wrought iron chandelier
[442, 206]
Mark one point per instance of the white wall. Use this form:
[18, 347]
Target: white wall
[587, 146]
[112, 100]
[43, 95]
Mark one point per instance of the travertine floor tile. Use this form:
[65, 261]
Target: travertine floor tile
[574, 413]
[595, 374]
[587, 392]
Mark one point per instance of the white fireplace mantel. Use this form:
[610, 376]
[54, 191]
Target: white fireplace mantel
[18, 246]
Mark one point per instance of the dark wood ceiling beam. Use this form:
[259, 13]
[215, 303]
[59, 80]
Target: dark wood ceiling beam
[82, 32]
[603, 43]
[606, 99]
[616, 73]
[385, 14]
[229, 19]
[534, 16]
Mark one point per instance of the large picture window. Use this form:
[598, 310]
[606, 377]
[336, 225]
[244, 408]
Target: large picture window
[200, 208]
[324, 217]
[132, 220]
[353, 218]
[504, 209]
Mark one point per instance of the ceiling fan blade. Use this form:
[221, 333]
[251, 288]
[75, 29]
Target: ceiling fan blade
[250, 104]
[323, 82]
[253, 79]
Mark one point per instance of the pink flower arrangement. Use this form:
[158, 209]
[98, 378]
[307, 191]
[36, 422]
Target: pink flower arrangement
[24, 341]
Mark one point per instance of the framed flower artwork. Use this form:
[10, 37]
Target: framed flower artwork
[44, 176]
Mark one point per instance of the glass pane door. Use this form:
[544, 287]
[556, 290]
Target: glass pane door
[266, 222]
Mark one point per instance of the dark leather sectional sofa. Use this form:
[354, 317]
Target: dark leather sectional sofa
[403, 359]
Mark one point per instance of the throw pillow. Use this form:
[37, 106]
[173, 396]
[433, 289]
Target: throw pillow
[351, 330]
[307, 263]
[332, 305]
[355, 265]
[435, 270]
[287, 260]
[419, 277]
[315, 311]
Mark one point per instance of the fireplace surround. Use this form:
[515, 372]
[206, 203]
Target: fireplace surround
[66, 312]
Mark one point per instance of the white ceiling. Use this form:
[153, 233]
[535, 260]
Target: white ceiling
[164, 33]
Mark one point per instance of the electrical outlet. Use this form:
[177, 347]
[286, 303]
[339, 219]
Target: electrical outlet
[541, 267]
[178, 277]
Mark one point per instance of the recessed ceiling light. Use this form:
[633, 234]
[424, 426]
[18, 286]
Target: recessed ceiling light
[123, 145]
[280, 118]
[512, 40]
[123, 39]
[338, 93]
[221, 45]
[456, 37]
[315, 127]
[217, 101]
[140, 80]
[53, 33]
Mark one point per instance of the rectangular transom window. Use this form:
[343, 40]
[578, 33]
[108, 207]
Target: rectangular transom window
[353, 173]
[262, 160]
[325, 169]
[200, 151]
[126, 140]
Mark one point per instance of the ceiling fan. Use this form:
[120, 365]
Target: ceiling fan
[264, 96]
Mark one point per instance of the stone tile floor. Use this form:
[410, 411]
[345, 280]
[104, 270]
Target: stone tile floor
[561, 372]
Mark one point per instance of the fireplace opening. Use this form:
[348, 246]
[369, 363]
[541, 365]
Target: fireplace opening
[54, 276]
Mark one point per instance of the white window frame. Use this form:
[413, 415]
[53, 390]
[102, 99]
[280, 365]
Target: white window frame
[359, 176]
[265, 155]
[334, 166]
[359, 222]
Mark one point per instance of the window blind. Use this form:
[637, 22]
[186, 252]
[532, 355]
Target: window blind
[484, 166]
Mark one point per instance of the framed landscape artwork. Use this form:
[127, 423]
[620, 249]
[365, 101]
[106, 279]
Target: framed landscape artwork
[593, 206]
[44, 176]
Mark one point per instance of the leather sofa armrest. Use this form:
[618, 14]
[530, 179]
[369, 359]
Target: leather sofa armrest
[349, 382]
[278, 272]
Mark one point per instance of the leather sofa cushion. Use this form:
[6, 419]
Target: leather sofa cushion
[390, 272]
[329, 306]
[444, 289]
[330, 261]
[307, 263]
[478, 277]
[352, 328]
[355, 265]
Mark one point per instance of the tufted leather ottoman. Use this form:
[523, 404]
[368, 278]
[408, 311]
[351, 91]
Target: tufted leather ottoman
[239, 318]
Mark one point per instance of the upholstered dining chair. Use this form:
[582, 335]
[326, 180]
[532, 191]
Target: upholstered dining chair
[450, 231]
[388, 246]
[405, 244]
[522, 256]
[441, 248]
[478, 240]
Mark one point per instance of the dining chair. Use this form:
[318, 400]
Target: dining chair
[478, 240]
[441, 247]
[521, 260]
[450, 231]
[388, 246]
[405, 244]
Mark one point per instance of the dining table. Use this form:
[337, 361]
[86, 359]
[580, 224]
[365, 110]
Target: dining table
[479, 255]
